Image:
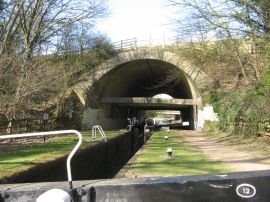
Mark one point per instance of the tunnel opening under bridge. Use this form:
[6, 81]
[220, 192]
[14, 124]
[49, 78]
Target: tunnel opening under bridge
[126, 89]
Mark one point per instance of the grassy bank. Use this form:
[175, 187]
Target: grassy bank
[15, 160]
[258, 143]
[185, 160]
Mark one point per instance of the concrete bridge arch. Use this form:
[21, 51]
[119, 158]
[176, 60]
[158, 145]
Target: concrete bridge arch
[124, 87]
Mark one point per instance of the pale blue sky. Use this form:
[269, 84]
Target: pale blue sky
[137, 18]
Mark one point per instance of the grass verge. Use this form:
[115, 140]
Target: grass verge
[16, 160]
[185, 160]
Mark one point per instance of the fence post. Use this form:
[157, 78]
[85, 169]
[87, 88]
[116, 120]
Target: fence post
[26, 125]
[40, 127]
[135, 42]
[9, 129]
[164, 41]
[40, 124]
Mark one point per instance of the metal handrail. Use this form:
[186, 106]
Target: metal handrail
[94, 132]
[53, 133]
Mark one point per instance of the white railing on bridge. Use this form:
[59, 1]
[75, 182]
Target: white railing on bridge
[135, 42]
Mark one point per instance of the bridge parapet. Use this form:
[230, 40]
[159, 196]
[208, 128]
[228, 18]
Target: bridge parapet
[134, 43]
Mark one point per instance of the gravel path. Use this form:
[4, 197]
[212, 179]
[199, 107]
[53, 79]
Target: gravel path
[231, 155]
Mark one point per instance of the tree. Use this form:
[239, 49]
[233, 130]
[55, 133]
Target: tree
[241, 16]
[76, 63]
[231, 24]
[206, 19]
[28, 29]
[254, 14]
[227, 21]
[36, 23]
[17, 95]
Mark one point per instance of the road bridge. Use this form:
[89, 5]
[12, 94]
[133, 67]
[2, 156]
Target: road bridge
[148, 103]
[124, 86]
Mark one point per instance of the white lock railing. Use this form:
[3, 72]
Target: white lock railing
[53, 133]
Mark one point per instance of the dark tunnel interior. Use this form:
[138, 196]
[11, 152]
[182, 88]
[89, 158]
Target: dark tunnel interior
[146, 78]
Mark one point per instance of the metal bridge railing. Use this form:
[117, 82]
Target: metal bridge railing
[134, 43]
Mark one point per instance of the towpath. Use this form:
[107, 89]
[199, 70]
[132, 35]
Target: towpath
[232, 155]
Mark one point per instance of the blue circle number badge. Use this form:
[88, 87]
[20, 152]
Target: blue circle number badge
[246, 190]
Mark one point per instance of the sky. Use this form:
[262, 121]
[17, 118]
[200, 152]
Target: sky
[137, 18]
